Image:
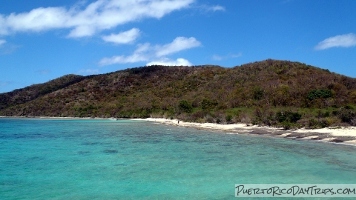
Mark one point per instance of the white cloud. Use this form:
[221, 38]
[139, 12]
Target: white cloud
[178, 44]
[168, 62]
[217, 57]
[3, 30]
[87, 20]
[143, 48]
[122, 59]
[82, 31]
[209, 8]
[216, 8]
[139, 55]
[2, 42]
[224, 57]
[146, 52]
[123, 37]
[88, 71]
[346, 40]
[38, 19]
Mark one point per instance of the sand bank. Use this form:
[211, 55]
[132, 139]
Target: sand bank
[345, 135]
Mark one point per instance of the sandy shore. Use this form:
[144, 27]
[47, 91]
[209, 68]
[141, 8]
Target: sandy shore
[345, 135]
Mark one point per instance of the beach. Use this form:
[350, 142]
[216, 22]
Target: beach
[342, 135]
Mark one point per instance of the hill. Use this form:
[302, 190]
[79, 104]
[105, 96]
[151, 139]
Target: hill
[30, 93]
[271, 92]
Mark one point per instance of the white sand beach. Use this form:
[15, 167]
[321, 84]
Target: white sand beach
[334, 131]
[225, 127]
[345, 135]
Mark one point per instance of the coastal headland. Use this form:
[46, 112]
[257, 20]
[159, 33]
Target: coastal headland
[300, 100]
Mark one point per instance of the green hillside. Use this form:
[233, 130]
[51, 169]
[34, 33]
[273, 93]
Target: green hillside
[271, 92]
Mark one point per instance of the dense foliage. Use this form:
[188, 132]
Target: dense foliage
[276, 93]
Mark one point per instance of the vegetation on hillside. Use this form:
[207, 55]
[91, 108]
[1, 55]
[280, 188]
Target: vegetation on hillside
[32, 92]
[271, 92]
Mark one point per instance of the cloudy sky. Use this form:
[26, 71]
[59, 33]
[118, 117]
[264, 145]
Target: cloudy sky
[42, 40]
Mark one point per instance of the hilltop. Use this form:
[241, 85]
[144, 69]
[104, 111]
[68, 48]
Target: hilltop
[270, 92]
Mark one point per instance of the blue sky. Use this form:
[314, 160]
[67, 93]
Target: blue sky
[42, 40]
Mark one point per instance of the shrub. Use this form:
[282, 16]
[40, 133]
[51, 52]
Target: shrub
[330, 121]
[349, 107]
[286, 125]
[324, 123]
[288, 116]
[198, 115]
[313, 123]
[346, 115]
[320, 93]
[184, 106]
[228, 118]
[244, 118]
[269, 120]
[258, 93]
[207, 104]
[209, 119]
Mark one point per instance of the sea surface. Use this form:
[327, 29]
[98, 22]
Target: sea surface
[129, 159]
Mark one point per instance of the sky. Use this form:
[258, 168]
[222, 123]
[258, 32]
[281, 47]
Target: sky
[43, 40]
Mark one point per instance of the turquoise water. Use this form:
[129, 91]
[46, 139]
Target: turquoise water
[127, 159]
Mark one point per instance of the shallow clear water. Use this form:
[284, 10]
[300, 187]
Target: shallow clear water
[127, 159]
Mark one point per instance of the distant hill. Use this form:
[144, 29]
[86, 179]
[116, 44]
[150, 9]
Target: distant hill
[32, 92]
[272, 92]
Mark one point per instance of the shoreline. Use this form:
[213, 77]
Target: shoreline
[342, 135]
[334, 135]
[45, 117]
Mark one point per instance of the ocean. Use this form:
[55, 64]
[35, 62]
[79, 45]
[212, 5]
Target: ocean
[132, 159]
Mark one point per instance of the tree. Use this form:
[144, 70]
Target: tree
[184, 106]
